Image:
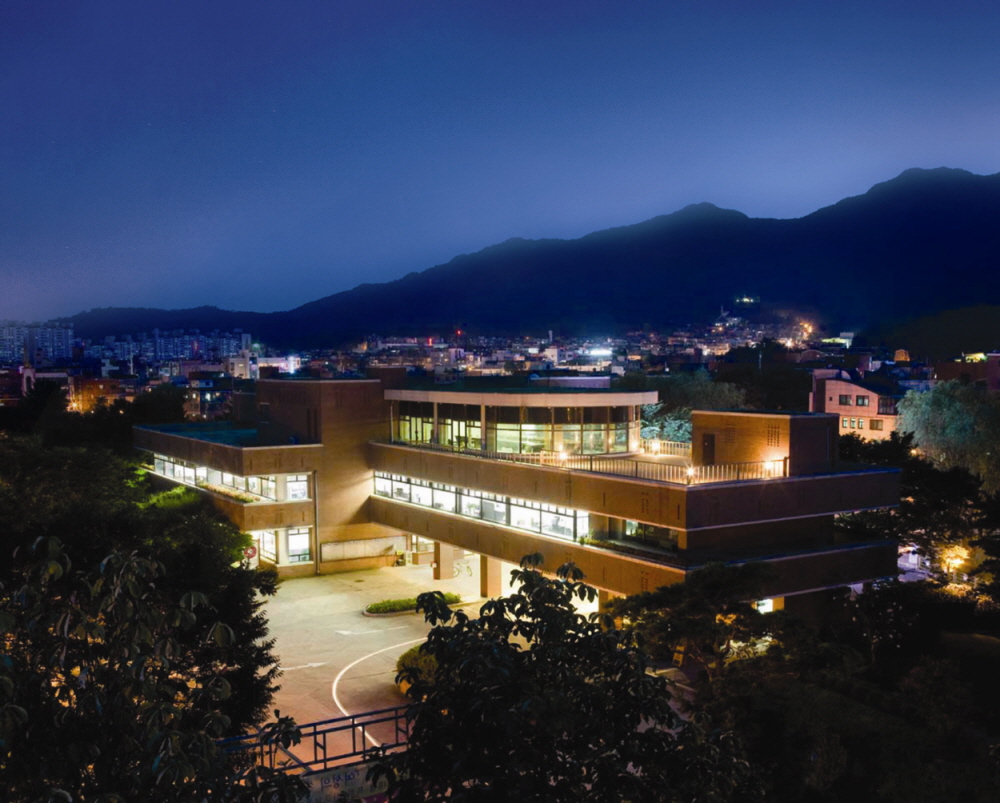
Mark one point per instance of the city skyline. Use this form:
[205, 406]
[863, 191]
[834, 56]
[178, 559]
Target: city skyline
[258, 158]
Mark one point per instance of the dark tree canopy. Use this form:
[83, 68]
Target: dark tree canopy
[195, 611]
[532, 701]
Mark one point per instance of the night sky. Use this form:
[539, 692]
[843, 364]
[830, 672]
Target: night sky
[260, 155]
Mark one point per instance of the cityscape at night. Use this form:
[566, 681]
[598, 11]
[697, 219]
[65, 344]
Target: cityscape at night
[499, 401]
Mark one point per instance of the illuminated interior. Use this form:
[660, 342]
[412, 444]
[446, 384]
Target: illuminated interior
[522, 430]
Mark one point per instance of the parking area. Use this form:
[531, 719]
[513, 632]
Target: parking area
[337, 661]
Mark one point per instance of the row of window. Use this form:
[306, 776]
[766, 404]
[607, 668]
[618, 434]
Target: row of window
[886, 404]
[524, 438]
[859, 423]
[521, 514]
[296, 485]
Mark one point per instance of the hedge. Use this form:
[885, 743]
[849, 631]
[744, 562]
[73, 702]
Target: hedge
[407, 604]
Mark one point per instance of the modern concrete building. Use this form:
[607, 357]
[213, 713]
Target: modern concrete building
[343, 474]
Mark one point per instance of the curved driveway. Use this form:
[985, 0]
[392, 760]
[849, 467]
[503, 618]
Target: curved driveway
[322, 636]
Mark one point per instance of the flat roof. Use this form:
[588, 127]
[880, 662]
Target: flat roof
[535, 397]
[221, 432]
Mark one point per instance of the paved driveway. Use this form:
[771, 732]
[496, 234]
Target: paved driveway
[335, 660]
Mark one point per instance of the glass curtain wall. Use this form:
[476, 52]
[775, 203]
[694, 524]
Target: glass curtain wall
[523, 430]
[522, 514]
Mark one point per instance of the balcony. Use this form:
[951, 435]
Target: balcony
[667, 462]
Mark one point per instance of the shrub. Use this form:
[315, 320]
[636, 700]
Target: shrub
[406, 604]
[415, 665]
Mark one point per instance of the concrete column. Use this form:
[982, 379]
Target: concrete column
[435, 437]
[490, 577]
[482, 427]
[281, 542]
[444, 561]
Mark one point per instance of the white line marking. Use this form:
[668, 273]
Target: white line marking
[301, 666]
[366, 632]
[351, 665]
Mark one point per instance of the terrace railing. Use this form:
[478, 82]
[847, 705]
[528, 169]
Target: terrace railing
[628, 467]
[672, 448]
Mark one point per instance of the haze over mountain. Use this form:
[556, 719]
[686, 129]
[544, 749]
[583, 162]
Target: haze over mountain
[921, 243]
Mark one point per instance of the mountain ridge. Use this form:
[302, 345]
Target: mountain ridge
[917, 244]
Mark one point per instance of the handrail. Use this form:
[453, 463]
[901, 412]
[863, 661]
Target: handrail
[319, 748]
[625, 466]
[672, 448]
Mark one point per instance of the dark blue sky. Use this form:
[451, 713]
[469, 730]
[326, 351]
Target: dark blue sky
[260, 155]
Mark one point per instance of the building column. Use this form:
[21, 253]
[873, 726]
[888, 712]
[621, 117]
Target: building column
[435, 437]
[490, 577]
[482, 427]
[444, 561]
[281, 545]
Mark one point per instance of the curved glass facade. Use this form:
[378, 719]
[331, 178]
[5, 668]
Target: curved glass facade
[522, 430]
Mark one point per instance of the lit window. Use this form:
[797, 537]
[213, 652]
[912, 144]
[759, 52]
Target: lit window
[875, 424]
[298, 486]
[861, 401]
[298, 545]
[861, 423]
[765, 605]
[422, 495]
[854, 423]
[268, 546]
[843, 423]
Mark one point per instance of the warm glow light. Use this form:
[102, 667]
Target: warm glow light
[690, 471]
[954, 556]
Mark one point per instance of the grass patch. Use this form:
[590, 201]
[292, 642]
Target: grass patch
[406, 604]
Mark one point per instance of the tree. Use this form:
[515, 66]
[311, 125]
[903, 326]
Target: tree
[96, 504]
[710, 616]
[97, 700]
[532, 701]
[670, 418]
[939, 507]
[956, 426]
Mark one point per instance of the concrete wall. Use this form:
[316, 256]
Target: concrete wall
[807, 441]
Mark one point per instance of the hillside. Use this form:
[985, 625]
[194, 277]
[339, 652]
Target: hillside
[921, 243]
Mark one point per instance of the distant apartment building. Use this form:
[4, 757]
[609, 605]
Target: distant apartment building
[334, 475]
[35, 342]
[867, 409]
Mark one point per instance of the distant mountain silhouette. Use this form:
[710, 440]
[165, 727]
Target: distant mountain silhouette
[923, 242]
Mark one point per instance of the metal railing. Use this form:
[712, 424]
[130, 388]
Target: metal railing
[671, 448]
[328, 743]
[625, 466]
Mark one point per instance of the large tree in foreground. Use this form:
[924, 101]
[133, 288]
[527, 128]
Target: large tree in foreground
[532, 701]
[112, 687]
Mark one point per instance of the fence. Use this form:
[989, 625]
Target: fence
[629, 467]
[328, 743]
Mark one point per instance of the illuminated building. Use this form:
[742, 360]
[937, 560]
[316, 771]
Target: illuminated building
[345, 474]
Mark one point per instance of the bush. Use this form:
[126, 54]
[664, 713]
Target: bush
[407, 604]
[415, 665]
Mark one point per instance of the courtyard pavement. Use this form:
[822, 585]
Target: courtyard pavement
[335, 660]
